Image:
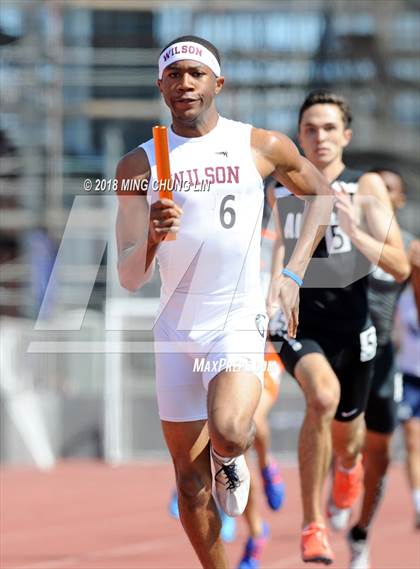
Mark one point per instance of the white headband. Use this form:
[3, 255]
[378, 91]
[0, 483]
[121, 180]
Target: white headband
[188, 50]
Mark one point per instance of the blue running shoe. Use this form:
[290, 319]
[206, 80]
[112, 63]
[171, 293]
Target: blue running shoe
[253, 550]
[173, 505]
[273, 485]
[228, 532]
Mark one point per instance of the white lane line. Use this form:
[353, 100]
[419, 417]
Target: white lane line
[121, 551]
[39, 533]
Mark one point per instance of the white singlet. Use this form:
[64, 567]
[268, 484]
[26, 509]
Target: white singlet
[212, 311]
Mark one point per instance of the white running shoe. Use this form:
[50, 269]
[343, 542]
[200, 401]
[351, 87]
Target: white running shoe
[359, 552]
[231, 481]
[338, 517]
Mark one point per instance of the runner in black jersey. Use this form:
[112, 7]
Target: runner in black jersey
[331, 356]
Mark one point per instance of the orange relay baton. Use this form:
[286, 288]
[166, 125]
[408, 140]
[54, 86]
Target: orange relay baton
[160, 139]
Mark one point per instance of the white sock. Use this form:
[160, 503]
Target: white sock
[416, 499]
[222, 459]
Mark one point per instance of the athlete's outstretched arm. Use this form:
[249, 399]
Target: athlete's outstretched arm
[380, 241]
[140, 229]
[276, 155]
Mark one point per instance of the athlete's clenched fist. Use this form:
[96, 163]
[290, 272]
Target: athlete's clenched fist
[165, 216]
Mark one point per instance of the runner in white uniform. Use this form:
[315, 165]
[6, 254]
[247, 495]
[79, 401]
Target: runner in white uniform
[211, 306]
[212, 309]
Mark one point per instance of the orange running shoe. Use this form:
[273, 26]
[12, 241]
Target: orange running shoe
[347, 486]
[314, 544]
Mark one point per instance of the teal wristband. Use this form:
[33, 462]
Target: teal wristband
[292, 276]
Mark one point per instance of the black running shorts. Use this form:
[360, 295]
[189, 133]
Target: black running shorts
[381, 410]
[351, 358]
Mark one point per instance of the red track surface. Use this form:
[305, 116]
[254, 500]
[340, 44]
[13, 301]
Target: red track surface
[92, 516]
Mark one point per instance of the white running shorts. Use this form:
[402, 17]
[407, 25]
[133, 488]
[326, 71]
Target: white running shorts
[196, 338]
